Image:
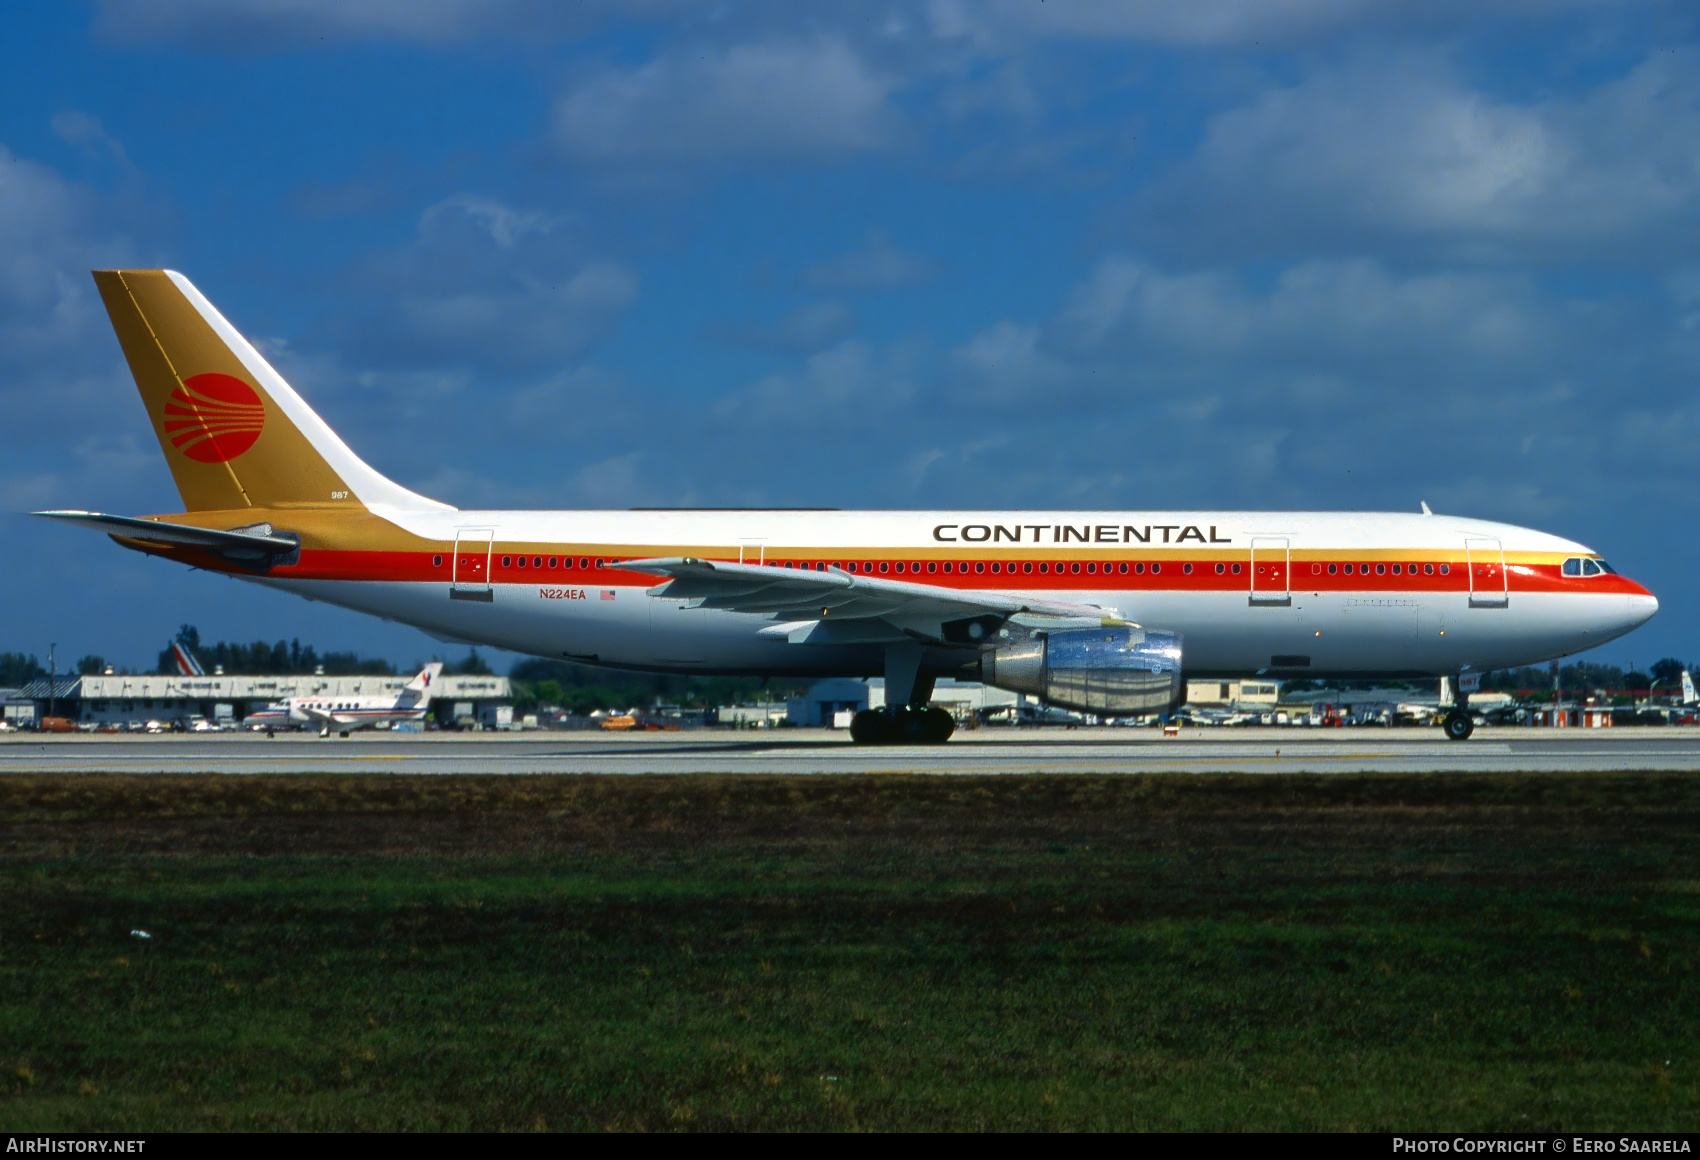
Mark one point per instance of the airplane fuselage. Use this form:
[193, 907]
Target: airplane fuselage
[1251, 592]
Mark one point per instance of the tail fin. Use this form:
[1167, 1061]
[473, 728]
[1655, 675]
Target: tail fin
[1688, 697]
[421, 685]
[234, 434]
[187, 665]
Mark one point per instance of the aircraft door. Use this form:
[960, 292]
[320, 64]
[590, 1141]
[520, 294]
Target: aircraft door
[470, 579]
[1271, 561]
[1485, 560]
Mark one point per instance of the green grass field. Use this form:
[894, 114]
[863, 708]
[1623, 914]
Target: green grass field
[1369, 952]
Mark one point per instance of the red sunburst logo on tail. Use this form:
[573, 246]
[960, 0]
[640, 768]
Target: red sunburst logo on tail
[213, 418]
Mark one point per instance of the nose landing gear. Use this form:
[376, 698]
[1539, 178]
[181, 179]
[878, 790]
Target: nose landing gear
[1458, 725]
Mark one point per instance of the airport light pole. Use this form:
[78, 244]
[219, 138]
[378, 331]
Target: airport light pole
[52, 674]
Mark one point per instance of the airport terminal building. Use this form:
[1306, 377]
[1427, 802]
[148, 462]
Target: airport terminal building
[122, 700]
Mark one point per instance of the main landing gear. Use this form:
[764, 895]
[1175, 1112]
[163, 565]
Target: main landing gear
[929, 725]
[907, 719]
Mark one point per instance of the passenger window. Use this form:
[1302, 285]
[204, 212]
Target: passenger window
[1122, 567]
[1140, 568]
[1573, 567]
[1092, 569]
[1333, 568]
[1044, 567]
[554, 561]
[1428, 569]
[436, 561]
[1221, 568]
[900, 565]
[507, 561]
[979, 566]
[932, 566]
[1156, 568]
[1075, 567]
[1381, 569]
[584, 563]
[885, 566]
[1027, 566]
[948, 565]
[1236, 569]
[996, 567]
[1445, 569]
[1396, 569]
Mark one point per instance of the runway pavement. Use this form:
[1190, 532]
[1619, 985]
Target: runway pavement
[989, 750]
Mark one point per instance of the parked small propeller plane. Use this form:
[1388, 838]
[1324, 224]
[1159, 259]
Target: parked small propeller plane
[1097, 611]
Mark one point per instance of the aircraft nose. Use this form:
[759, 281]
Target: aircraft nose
[1641, 606]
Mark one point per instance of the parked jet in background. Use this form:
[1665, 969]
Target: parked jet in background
[1096, 611]
[345, 714]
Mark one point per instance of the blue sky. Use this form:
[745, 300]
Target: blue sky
[1306, 253]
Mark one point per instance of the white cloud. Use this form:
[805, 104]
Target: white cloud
[1405, 148]
[1003, 364]
[1207, 23]
[852, 382]
[879, 265]
[76, 127]
[260, 25]
[1336, 309]
[487, 285]
[769, 99]
[809, 327]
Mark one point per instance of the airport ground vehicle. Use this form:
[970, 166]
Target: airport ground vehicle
[1095, 611]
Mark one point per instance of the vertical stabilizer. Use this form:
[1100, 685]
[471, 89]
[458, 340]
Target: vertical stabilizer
[234, 433]
[420, 688]
[1688, 697]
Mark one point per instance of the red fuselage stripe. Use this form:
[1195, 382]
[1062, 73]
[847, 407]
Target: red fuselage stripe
[419, 567]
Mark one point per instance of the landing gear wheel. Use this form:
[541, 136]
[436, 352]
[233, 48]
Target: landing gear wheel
[343, 733]
[1458, 725]
[870, 727]
[938, 725]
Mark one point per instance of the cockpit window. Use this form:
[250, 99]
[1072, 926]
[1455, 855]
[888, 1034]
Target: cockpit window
[1582, 566]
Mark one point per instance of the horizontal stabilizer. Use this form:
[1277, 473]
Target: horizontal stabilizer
[247, 541]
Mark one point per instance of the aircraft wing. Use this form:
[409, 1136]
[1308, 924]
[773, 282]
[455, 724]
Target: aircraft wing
[952, 615]
[254, 540]
[317, 716]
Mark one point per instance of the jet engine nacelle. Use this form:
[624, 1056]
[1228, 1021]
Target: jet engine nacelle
[1108, 671]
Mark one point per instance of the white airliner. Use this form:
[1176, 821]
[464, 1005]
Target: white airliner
[345, 714]
[1099, 611]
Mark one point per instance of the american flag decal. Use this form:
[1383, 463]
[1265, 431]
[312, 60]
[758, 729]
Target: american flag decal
[607, 594]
